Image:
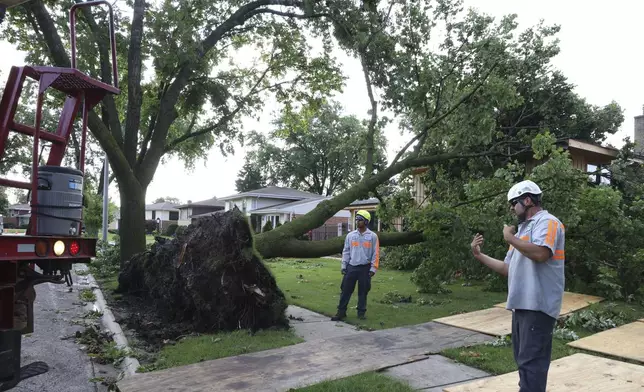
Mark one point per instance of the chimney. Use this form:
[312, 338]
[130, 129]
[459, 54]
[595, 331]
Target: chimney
[639, 132]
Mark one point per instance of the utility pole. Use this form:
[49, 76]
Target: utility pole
[106, 184]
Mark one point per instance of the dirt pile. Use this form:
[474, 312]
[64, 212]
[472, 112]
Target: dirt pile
[209, 276]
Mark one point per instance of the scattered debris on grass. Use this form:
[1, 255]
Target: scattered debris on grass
[501, 341]
[100, 346]
[394, 297]
[597, 320]
[87, 295]
[565, 334]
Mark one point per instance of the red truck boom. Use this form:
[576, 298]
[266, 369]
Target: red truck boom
[53, 240]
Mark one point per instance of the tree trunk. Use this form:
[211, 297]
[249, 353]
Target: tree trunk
[289, 247]
[132, 225]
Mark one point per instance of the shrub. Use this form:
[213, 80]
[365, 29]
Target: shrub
[172, 228]
[404, 258]
[150, 226]
[268, 226]
[180, 230]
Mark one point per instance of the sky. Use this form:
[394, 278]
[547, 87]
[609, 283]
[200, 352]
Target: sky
[601, 54]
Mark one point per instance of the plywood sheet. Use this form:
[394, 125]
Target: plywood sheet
[492, 321]
[622, 342]
[571, 302]
[575, 373]
[306, 363]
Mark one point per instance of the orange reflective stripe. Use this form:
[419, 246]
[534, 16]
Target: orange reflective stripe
[559, 255]
[525, 238]
[367, 244]
[355, 243]
[376, 263]
[552, 231]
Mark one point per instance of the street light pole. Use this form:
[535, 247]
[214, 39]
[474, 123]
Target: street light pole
[106, 184]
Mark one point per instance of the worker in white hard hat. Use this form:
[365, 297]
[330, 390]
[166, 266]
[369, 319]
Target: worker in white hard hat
[534, 265]
[360, 260]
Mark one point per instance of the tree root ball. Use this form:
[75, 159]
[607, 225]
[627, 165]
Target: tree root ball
[210, 276]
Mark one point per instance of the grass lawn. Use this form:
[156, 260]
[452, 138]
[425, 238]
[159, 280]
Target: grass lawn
[193, 349]
[315, 284]
[500, 360]
[366, 382]
[206, 347]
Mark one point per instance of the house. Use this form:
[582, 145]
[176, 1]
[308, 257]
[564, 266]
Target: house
[279, 205]
[18, 215]
[370, 205]
[189, 212]
[164, 213]
[585, 156]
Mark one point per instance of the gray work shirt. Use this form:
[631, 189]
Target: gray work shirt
[361, 249]
[533, 285]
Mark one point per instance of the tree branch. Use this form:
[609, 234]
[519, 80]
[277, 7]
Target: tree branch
[440, 118]
[298, 248]
[167, 112]
[134, 90]
[111, 115]
[225, 119]
[374, 117]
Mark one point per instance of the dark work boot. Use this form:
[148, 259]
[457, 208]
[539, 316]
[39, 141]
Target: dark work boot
[361, 316]
[339, 317]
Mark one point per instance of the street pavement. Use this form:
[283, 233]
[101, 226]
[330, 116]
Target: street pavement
[70, 369]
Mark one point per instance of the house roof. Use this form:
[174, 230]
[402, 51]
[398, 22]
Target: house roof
[161, 207]
[214, 202]
[206, 214]
[275, 192]
[286, 207]
[365, 202]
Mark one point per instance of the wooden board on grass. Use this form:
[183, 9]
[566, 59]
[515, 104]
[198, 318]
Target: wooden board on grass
[306, 363]
[492, 321]
[575, 373]
[622, 342]
[572, 302]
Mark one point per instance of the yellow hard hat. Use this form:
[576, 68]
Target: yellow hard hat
[365, 214]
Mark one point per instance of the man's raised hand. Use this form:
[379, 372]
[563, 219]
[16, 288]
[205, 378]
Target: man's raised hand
[476, 244]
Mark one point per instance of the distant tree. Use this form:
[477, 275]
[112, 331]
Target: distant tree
[316, 149]
[4, 201]
[167, 199]
[249, 178]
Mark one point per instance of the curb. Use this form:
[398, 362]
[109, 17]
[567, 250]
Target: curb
[129, 365]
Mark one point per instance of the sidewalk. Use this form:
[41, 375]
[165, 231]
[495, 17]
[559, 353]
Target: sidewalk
[320, 359]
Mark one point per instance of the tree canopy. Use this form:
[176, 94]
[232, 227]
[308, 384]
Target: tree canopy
[316, 150]
[468, 91]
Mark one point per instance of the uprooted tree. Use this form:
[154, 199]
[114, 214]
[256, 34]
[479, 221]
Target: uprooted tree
[209, 277]
[456, 80]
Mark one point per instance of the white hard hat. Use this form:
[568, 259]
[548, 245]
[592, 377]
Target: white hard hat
[522, 188]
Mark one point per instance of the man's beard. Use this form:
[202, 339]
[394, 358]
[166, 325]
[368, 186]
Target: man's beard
[521, 217]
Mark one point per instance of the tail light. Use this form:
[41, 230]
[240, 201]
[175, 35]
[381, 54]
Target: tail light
[74, 248]
[42, 248]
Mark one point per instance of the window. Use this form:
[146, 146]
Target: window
[154, 214]
[598, 174]
[174, 215]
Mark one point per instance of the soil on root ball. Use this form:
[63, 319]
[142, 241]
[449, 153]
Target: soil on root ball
[207, 279]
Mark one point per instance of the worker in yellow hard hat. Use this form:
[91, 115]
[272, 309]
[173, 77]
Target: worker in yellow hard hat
[360, 260]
